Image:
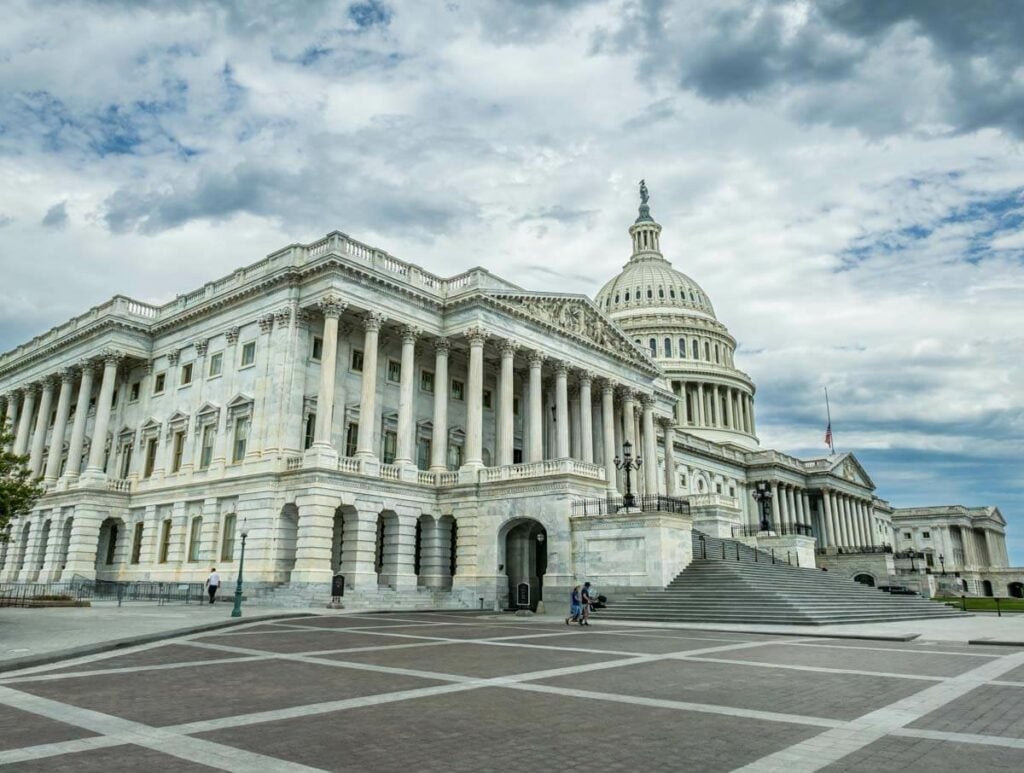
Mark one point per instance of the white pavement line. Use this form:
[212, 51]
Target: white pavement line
[1002, 683]
[809, 643]
[27, 753]
[832, 745]
[313, 709]
[976, 738]
[817, 669]
[325, 629]
[128, 669]
[127, 732]
[659, 703]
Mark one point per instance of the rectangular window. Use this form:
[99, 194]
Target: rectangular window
[227, 542]
[926, 534]
[488, 398]
[241, 435]
[165, 541]
[133, 394]
[151, 445]
[357, 360]
[394, 371]
[454, 457]
[390, 442]
[126, 460]
[307, 440]
[426, 381]
[178, 450]
[206, 450]
[186, 374]
[248, 354]
[423, 453]
[194, 539]
[907, 535]
[318, 349]
[458, 390]
[351, 439]
[158, 383]
[517, 456]
[216, 364]
[515, 406]
[137, 543]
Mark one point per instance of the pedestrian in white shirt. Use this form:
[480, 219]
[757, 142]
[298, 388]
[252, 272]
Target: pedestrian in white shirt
[212, 583]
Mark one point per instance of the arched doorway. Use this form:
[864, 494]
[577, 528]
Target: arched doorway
[288, 537]
[526, 562]
[1015, 590]
[338, 540]
[110, 552]
[864, 579]
[986, 587]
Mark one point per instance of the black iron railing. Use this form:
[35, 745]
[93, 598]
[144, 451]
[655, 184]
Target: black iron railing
[646, 504]
[799, 529]
[849, 550]
[24, 594]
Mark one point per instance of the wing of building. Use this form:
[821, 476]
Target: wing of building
[453, 442]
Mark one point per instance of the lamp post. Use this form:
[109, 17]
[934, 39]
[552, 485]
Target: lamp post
[628, 463]
[763, 495]
[942, 563]
[236, 611]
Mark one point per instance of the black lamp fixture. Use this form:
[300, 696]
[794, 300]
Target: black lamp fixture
[763, 495]
[627, 463]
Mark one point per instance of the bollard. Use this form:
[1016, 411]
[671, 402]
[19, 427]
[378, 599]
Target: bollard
[963, 602]
[120, 594]
[773, 555]
[998, 611]
[723, 551]
[737, 551]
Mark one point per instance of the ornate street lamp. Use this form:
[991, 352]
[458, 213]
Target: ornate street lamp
[942, 563]
[763, 495]
[628, 463]
[236, 611]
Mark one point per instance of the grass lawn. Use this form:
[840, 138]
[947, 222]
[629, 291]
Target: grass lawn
[985, 604]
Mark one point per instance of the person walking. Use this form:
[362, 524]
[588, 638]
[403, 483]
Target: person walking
[575, 610]
[212, 584]
[585, 602]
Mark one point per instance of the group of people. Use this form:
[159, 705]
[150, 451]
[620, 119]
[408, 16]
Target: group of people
[581, 604]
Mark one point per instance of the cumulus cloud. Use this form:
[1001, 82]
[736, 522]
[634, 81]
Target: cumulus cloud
[843, 179]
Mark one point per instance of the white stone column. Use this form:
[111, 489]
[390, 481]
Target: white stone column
[322, 450]
[826, 520]
[608, 425]
[670, 458]
[95, 467]
[35, 459]
[629, 421]
[439, 441]
[701, 421]
[536, 446]
[650, 466]
[870, 515]
[561, 411]
[359, 550]
[475, 400]
[506, 398]
[849, 539]
[12, 406]
[315, 539]
[791, 505]
[730, 418]
[400, 552]
[406, 400]
[67, 378]
[750, 406]
[776, 509]
[74, 464]
[586, 418]
[372, 322]
[28, 405]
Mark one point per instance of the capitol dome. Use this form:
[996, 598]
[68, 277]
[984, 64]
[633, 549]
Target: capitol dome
[668, 314]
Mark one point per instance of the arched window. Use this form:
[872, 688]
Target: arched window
[668, 347]
[650, 293]
[696, 350]
[707, 351]
[616, 297]
[682, 347]
[691, 297]
[661, 292]
[637, 296]
[627, 296]
[672, 292]
[653, 343]
[716, 353]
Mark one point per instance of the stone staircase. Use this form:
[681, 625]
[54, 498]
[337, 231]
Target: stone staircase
[315, 596]
[746, 587]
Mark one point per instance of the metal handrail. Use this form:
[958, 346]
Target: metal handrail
[647, 504]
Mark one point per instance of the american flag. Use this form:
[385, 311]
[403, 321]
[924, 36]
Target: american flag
[828, 435]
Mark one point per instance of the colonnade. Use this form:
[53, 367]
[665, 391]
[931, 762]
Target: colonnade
[703, 404]
[847, 520]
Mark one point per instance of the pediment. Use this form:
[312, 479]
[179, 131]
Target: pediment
[207, 409]
[150, 424]
[848, 468]
[577, 317]
[239, 400]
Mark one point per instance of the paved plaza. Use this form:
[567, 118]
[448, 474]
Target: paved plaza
[433, 691]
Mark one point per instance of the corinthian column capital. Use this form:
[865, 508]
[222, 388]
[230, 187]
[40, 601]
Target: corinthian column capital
[373, 320]
[331, 306]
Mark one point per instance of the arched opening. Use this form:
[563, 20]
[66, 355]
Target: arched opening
[65, 543]
[449, 538]
[986, 587]
[1015, 590]
[525, 550]
[44, 542]
[288, 536]
[338, 540]
[110, 553]
[23, 546]
[963, 586]
[864, 579]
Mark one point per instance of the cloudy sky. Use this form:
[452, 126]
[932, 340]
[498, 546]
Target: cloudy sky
[844, 179]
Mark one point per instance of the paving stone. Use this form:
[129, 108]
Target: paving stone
[639, 645]
[859, 659]
[987, 710]
[500, 729]
[937, 646]
[472, 631]
[1017, 675]
[20, 728]
[923, 755]
[838, 696]
[104, 760]
[348, 621]
[476, 660]
[156, 656]
[305, 641]
[196, 693]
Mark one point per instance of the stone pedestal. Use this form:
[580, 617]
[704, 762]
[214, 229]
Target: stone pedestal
[792, 548]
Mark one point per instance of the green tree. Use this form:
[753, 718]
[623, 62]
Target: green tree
[18, 490]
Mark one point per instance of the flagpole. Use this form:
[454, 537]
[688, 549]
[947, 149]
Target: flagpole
[828, 413]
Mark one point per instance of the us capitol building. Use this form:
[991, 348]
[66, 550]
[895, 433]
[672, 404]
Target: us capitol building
[439, 442]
